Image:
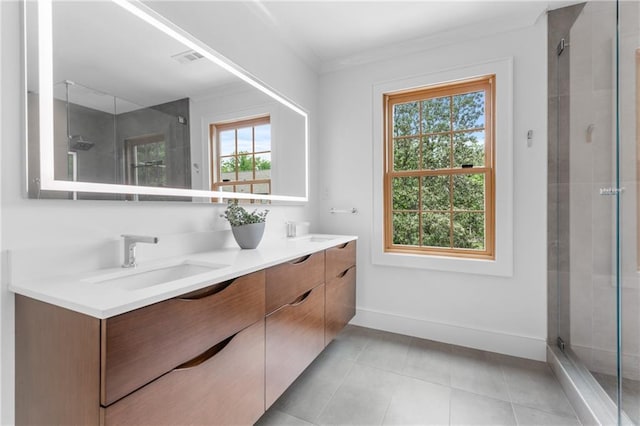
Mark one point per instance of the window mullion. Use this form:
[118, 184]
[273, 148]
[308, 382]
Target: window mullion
[451, 162]
[253, 154]
[420, 163]
[420, 229]
[237, 157]
[451, 211]
[440, 172]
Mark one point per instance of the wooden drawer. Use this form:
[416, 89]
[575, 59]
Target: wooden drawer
[223, 386]
[141, 345]
[289, 280]
[294, 337]
[340, 258]
[340, 303]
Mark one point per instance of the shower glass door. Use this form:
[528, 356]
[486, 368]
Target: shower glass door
[628, 138]
[597, 215]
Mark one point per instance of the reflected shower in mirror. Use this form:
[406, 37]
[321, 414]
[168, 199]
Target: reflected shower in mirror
[143, 111]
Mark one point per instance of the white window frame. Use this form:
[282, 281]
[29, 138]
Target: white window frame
[502, 265]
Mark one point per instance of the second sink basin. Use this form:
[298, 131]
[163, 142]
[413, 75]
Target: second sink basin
[139, 278]
[314, 238]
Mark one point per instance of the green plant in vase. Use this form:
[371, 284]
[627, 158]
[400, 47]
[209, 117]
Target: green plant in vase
[247, 228]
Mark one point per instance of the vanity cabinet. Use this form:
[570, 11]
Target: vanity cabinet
[295, 321]
[220, 355]
[340, 288]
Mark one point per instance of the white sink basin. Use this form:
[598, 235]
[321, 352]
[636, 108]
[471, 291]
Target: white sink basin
[314, 238]
[139, 278]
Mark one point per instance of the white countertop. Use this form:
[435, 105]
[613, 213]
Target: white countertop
[82, 294]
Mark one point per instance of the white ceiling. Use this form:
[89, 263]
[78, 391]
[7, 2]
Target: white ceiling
[330, 34]
[107, 50]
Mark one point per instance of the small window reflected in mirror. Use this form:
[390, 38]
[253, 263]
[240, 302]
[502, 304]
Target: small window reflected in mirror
[241, 157]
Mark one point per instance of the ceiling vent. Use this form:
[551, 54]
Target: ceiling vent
[187, 57]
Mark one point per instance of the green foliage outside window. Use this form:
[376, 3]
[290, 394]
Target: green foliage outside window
[439, 210]
[245, 163]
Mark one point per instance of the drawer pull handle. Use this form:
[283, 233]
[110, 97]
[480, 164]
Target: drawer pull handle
[342, 246]
[300, 300]
[207, 291]
[207, 355]
[345, 272]
[300, 260]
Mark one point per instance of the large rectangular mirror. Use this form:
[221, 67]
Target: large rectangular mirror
[123, 104]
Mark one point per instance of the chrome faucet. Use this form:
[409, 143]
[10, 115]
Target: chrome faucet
[130, 248]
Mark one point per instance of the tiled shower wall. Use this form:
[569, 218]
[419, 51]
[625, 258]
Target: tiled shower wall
[104, 162]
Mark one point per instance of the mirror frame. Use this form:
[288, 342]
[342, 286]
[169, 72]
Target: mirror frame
[151, 17]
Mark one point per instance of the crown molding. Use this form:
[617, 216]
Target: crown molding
[529, 16]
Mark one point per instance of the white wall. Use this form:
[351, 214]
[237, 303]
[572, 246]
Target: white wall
[51, 227]
[503, 314]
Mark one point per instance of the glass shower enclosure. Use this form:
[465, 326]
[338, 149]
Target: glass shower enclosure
[594, 200]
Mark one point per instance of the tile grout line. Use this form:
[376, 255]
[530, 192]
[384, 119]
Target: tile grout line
[506, 382]
[386, 410]
[321, 412]
[404, 362]
[299, 418]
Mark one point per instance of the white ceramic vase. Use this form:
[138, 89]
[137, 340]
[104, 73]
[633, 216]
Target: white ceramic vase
[248, 236]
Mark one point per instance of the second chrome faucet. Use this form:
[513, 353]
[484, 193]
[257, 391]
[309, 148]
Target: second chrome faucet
[130, 248]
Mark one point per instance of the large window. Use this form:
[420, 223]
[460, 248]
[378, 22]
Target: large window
[439, 169]
[242, 156]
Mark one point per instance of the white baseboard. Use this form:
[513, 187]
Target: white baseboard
[488, 340]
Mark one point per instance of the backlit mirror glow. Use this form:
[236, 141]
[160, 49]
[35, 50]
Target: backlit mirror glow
[123, 104]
